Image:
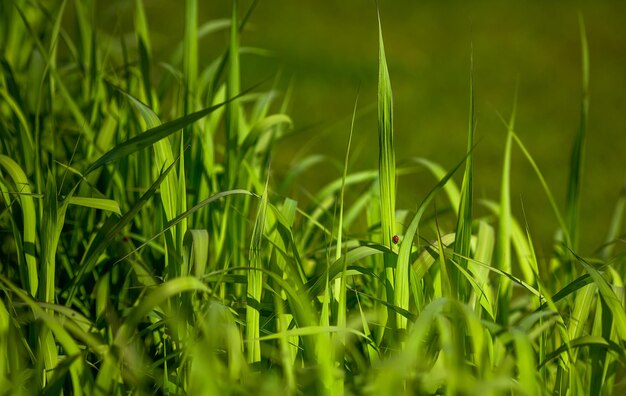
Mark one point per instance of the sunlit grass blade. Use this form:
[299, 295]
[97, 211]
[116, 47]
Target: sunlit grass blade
[97, 203]
[195, 253]
[232, 107]
[255, 282]
[386, 158]
[503, 249]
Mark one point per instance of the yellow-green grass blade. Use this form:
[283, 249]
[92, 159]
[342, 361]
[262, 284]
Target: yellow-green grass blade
[195, 253]
[451, 189]
[153, 135]
[54, 76]
[97, 203]
[526, 365]
[175, 221]
[503, 248]
[71, 348]
[316, 285]
[111, 369]
[614, 304]
[386, 163]
[402, 287]
[164, 157]
[339, 291]
[585, 341]
[462, 245]
[265, 124]
[546, 189]
[445, 270]
[315, 330]
[25, 142]
[578, 150]
[29, 221]
[255, 282]
[615, 226]
[288, 344]
[484, 252]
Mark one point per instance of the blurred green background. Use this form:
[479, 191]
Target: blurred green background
[327, 49]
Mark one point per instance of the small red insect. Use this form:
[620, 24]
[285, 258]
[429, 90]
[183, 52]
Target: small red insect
[395, 239]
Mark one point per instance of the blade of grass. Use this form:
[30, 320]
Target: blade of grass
[578, 150]
[29, 221]
[462, 245]
[386, 160]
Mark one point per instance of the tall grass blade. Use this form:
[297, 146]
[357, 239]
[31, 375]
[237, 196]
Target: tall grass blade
[255, 282]
[462, 247]
[505, 224]
[386, 167]
[577, 155]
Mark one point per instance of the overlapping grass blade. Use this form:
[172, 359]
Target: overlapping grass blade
[153, 135]
[29, 222]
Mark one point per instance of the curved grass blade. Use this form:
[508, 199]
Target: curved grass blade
[29, 221]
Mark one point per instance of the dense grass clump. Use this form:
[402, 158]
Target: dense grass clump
[148, 247]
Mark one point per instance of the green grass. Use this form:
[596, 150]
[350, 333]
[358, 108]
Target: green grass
[149, 245]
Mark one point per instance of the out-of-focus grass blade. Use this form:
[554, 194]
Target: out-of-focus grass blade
[546, 188]
[615, 226]
[340, 284]
[462, 245]
[484, 252]
[444, 269]
[111, 366]
[526, 365]
[25, 141]
[316, 285]
[144, 47]
[255, 282]
[153, 135]
[314, 330]
[68, 343]
[264, 124]
[451, 189]
[97, 203]
[29, 221]
[585, 341]
[505, 219]
[184, 215]
[190, 54]
[109, 231]
[577, 156]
